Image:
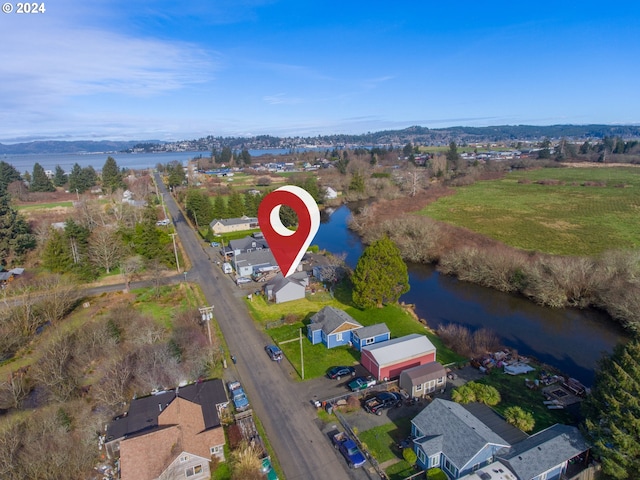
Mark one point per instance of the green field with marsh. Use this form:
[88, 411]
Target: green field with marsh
[564, 211]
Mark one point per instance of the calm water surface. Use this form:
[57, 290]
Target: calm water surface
[569, 339]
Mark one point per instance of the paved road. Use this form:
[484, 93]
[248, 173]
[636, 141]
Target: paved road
[281, 404]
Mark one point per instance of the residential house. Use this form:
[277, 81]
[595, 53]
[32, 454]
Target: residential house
[423, 379]
[449, 437]
[245, 245]
[332, 327]
[246, 264]
[172, 434]
[330, 193]
[370, 335]
[233, 224]
[547, 454]
[280, 289]
[472, 442]
[387, 359]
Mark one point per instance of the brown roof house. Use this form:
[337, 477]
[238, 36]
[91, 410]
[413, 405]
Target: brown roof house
[423, 379]
[172, 434]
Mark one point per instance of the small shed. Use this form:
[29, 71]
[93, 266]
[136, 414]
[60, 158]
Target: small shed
[423, 379]
[370, 335]
[331, 326]
[387, 359]
[280, 289]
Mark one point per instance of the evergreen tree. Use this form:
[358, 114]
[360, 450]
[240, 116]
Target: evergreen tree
[381, 275]
[612, 412]
[245, 157]
[15, 236]
[219, 208]
[357, 183]
[176, 174]
[235, 205]
[60, 178]
[81, 179]
[225, 157]
[111, 176]
[198, 207]
[312, 186]
[252, 202]
[39, 180]
[78, 238]
[56, 256]
[8, 174]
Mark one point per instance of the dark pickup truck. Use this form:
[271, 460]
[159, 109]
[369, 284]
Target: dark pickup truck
[349, 450]
[382, 400]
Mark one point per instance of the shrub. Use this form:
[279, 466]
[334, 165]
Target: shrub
[517, 417]
[409, 456]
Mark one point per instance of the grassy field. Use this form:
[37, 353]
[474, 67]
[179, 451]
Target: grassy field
[317, 358]
[44, 206]
[513, 392]
[566, 218]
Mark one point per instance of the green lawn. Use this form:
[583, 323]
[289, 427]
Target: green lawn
[566, 219]
[514, 393]
[317, 358]
[381, 441]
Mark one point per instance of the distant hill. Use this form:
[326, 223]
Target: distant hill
[81, 146]
[415, 134]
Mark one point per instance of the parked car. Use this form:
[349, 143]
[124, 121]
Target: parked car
[361, 383]
[215, 244]
[241, 280]
[164, 222]
[274, 352]
[239, 398]
[349, 450]
[382, 400]
[336, 373]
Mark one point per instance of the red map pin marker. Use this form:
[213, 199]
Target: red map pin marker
[288, 246]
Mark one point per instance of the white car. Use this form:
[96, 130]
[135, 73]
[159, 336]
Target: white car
[163, 223]
[241, 280]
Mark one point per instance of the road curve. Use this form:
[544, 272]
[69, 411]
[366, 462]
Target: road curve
[289, 420]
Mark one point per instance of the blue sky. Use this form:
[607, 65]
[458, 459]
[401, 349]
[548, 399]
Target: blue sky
[134, 69]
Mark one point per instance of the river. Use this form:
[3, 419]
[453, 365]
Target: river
[571, 340]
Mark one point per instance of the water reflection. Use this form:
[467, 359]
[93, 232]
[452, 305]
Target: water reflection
[569, 339]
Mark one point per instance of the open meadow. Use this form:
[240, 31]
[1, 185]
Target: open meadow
[564, 211]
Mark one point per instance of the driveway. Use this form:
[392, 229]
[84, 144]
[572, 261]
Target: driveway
[290, 421]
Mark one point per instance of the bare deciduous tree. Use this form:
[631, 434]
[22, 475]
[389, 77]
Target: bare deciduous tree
[105, 248]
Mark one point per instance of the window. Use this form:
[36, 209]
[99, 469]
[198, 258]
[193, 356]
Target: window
[370, 341]
[184, 458]
[215, 450]
[338, 337]
[475, 467]
[434, 461]
[421, 456]
[190, 472]
[418, 387]
[440, 380]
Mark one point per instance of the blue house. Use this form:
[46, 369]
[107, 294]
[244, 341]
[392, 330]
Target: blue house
[332, 327]
[457, 440]
[449, 437]
[364, 336]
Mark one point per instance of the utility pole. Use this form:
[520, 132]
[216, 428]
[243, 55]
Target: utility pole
[207, 315]
[301, 357]
[175, 250]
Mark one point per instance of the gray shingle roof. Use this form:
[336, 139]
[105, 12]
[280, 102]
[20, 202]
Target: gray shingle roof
[245, 243]
[372, 330]
[258, 257]
[330, 318]
[463, 435]
[234, 221]
[545, 450]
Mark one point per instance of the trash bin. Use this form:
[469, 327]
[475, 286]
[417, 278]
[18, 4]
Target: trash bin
[329, 408]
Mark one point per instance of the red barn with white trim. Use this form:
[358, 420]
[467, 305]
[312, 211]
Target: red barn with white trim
[388, 359]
